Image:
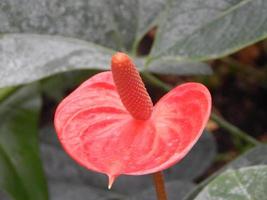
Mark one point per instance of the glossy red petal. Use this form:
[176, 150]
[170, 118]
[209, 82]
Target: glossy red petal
[99, 133]
[179, 119]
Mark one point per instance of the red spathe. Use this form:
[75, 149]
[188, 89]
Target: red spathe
[98, 132]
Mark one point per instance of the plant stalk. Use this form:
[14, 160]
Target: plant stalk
[234, 130]
[159, 186]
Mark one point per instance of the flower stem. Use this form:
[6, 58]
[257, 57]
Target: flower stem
[159, 186]
[233, 130]
[157, 82]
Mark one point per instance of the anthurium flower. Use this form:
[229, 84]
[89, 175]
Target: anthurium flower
[109, 124]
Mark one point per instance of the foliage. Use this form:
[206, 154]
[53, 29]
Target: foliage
[44, 38]
[244, 183]
[21, 171]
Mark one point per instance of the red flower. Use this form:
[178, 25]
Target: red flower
[109, 125]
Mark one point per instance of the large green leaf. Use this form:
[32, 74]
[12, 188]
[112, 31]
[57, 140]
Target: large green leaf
[134, 18]
[114, 23]
[87, 20]
[21, 173]
[206, 29]
[43, 55]
[176, 67]
[196, 162]
[255, 156]
[187, 30]
[25, 58]
[148, 13]
[247, 183]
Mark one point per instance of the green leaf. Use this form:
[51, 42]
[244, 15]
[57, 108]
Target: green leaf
[56, 87]
[196, 162]
[27, 57]
[174, 66]
[201, 30]
[242, 184]
[114, 23]
[4, 196]
[74, 191]
[175, 190]
[88, 20]
[42, 56]
[133, 19]
[4, 92]
[188, 30]
[148, 13]
[21, 173]
[255, 156]
[117, 24]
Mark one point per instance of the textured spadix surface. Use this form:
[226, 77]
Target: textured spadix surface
[98, 132]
